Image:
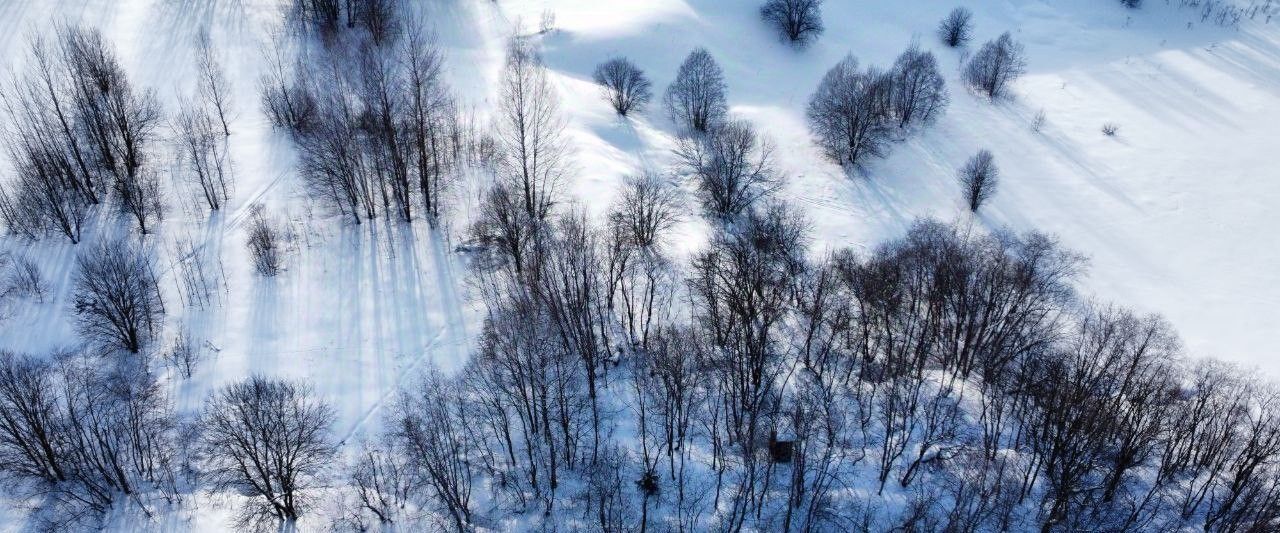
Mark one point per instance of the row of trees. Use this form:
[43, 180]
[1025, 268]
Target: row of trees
[957, 370]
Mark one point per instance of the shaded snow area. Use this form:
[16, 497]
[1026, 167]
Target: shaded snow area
[1173, 212]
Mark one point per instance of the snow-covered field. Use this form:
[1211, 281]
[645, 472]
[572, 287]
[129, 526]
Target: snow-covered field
[1176, 212]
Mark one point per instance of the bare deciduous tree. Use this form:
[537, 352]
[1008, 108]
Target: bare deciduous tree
[431, 428]
[848, 113]
[264, 243]
[533, 155]
[625, 85]
[211, 83]
[919, 95]
[649, 206]
[996, 66]
[117, 300]
[956, 29]
[120, 121]
[204, 153]
[269, 440]
[800, 21]
[979, 178]
[695, 100]
[733, 166]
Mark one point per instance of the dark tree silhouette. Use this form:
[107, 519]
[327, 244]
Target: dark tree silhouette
[696, 99]
[625, 85]
[117, 301]
[996, 66]
[799, 21]
[957, 28]
[979, 178]
[269, 440]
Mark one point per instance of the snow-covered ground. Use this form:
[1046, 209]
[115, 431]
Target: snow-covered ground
[1176, 212]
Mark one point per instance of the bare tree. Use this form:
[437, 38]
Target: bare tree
[505, 228]
[733, 166]
[848, 113]
[117, 300]
[269, 440]
[996, 66]
[30, 421]
[335, 166]
[919, 95]
[533, 155]
[385, 484]
[119, 435]
[979, 178]
[957, 28]
[204, 153]
[211, 83]
[648, 207]
[287, 95]
[381, 18]
[431, 428]
[432, 116]
[800, 21]
[119, 120]
[84, 437]
[625, 85]
[696, 100]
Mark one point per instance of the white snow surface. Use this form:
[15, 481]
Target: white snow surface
[1176, 213]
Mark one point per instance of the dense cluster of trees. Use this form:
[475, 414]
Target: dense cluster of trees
[748, 388]
[856, 114]
[376, 125]
[947, 380]
[79, 135]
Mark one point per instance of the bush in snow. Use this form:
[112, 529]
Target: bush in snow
[996, 65]
[1110, 129]
[696, 99]
[956, 29]
[624, 83]
[1131, 4]
[116, 300]
[979, 178]
[800, 21]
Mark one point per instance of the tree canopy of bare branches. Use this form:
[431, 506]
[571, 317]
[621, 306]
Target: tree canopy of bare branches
[979, 178]
[117, 301]
[799, 21]
[533, 156]
[695, 100]
[625, 85]
[269, 440]
[996, 66]
[733, 166]
[957, 28]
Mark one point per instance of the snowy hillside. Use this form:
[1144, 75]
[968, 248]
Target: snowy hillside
[1174, 211]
